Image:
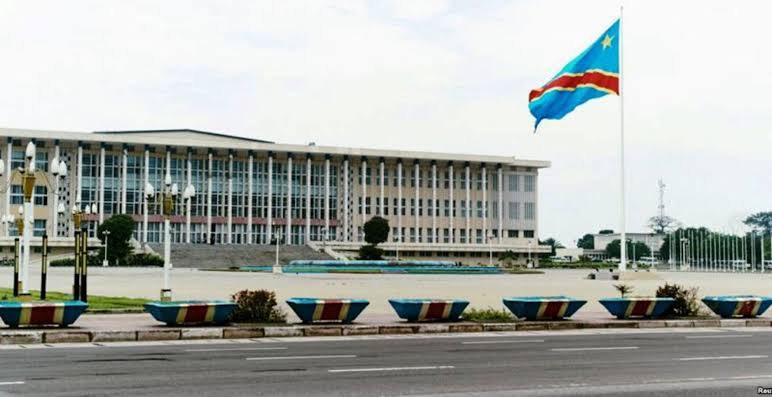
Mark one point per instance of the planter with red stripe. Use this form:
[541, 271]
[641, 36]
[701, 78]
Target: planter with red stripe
[728, 306]
[312, 310]
[191, 312]
[637, 307]
[429, 309]
[543, 307]
[17, 314]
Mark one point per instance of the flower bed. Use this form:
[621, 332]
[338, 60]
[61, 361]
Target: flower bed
[17, 314]
[543, 307]
[429, 309]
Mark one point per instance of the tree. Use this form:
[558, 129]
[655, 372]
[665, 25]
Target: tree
[376, 232]
[587, 242]
[552, 243]
[641, 249]
[760, 221]
[121, 228]
[606, 231]
[662, 224]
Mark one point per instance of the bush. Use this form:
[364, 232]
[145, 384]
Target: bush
[257, 307]
[142, 260]
[370, 252]
[686, 302]
[488, 315]
[70, 262]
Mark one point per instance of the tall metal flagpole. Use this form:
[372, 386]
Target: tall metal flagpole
[623, 245]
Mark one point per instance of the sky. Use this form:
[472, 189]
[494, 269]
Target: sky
[431, 75]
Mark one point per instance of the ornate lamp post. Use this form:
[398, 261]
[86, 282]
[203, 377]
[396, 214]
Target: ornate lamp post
[167, 198]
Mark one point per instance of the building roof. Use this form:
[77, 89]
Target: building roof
[211, 140]
[217, 134]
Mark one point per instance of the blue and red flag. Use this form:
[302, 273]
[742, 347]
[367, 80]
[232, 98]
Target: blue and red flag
[593, 74]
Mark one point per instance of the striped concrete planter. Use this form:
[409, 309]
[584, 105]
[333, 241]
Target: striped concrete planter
[429, 309]
[191, 312]
[17, 314]
[637, 307]
[543, 307]
[728, 306]
[312, 310]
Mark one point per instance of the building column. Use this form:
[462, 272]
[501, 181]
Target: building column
[188, 202]
[209, 198]
[308, 198]
[229, 200]
[8, 169]
[250, 169]
[451, 184]
[468, 204]
[382, 176]
[101, 194]
[124, 178]
[345, 199]
[269, 221]
[364, 196]
[327, 194]
[400, 238]
[417, 174]
[287, 232]
[146, 179]
[485, 203]
[501, 203]
[434, 202]
[54, 208]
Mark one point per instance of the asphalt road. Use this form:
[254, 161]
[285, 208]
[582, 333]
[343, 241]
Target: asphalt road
[659, 362]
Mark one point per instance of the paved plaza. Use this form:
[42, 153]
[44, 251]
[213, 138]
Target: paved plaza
[481, 290]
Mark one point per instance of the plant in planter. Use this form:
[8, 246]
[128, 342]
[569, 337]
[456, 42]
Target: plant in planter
[624, 289]
[686, 303]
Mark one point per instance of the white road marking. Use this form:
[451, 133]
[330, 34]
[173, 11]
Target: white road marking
[752, 377]
[300, 357]
[491, 342]
[17, 382]
[720, 358]
[579, 349]
[718, 336]
[235, 349]
[335, 371]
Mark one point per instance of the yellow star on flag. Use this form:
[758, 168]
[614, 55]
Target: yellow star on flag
[606, 43]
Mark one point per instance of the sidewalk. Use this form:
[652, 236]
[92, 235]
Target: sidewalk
[95, 328]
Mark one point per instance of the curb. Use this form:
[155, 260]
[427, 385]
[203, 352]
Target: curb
[53, 335]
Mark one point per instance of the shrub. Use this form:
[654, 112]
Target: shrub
[70, 262]
[488, 315]
[686, 302]
[141, 260]
[370, 252]
[257, 307]
[624, 289]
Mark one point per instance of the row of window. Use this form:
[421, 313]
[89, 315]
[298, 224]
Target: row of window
[445, 235]
[441, 208]
[372, 177]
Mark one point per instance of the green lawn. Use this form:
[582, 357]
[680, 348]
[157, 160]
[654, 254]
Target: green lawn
[95, 302]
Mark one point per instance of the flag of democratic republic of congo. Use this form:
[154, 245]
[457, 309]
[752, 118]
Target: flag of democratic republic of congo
[593, 74]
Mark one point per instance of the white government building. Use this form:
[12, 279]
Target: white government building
[455, 206]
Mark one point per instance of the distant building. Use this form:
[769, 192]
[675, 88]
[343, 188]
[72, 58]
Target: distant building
[652, 240]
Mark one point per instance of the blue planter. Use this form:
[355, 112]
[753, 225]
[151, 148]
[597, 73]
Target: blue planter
[429, 309]
[637, 307]
[191, 312]
[313, 310]
[543, 307]
[63, 314]
[728, 306]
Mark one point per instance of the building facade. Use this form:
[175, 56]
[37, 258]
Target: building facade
[249, 191]
[652, 240]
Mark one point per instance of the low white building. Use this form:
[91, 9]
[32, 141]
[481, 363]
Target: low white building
[652, 240]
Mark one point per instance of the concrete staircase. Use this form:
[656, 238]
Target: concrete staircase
[224, 256]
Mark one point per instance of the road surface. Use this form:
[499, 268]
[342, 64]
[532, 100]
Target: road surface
[669, 362]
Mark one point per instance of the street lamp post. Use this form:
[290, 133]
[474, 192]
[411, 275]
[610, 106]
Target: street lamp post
[324, 238]
[167, 197]
[105, 233]
[277, 240]
[490, 249]
[529, 264]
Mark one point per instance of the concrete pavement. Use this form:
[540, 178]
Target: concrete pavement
[670, 362]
